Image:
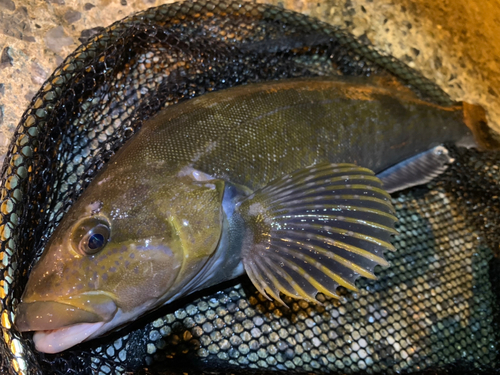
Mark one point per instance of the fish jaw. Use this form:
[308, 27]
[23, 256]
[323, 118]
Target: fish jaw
[61, 337]
[59, 326]
[56, 341]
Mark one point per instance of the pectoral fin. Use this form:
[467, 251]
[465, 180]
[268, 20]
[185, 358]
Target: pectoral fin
[316, 229]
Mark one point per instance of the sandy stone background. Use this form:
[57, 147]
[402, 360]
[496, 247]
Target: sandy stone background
[455, 43]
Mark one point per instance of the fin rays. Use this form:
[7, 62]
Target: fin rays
[298, 255]
[359, 185]
[311, 233]
[331, 206]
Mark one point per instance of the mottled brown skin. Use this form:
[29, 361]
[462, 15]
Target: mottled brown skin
[166, 221]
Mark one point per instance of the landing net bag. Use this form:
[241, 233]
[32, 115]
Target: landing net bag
[434, 310]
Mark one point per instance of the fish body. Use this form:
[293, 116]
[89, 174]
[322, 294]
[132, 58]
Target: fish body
[275, 179]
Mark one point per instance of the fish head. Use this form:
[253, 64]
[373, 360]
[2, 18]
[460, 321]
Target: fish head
[123, 249]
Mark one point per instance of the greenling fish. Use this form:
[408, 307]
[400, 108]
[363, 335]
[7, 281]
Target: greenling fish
[277, 180]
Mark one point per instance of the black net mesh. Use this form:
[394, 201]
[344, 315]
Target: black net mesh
[434, 309]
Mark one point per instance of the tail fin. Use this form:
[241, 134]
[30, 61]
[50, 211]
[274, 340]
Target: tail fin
[475, 119]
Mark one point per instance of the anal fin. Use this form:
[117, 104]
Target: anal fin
[417, 170]
[315, 229]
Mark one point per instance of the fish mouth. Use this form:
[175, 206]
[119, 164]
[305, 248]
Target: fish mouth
[59, 326]
[57, 340]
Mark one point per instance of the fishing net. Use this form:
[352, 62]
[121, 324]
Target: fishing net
[434, 310]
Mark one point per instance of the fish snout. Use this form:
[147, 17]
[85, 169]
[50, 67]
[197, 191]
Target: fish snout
[51, 315]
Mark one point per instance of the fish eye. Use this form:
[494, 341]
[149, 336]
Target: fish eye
[91, 235]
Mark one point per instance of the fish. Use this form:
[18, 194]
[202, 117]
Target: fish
[277, 180]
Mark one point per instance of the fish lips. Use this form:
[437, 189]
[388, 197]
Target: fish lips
[51, 315]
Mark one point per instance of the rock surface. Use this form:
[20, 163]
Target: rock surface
[455, 43]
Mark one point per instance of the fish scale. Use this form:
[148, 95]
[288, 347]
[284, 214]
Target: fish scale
[55, 107]
[261, 125]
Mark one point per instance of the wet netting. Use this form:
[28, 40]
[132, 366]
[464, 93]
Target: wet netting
[435, 310]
